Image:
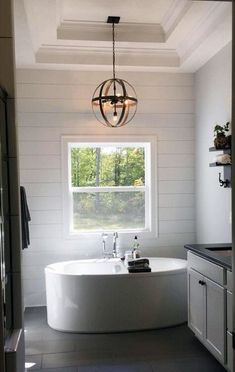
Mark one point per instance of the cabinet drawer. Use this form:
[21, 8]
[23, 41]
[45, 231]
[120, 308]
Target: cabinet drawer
[229, 281]
[230, 351]
[206, 268]
[229, 311]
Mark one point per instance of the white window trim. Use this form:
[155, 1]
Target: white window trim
[150, 175]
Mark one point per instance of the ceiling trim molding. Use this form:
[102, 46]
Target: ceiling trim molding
[183, 36]
[85, 56]
[174, 15]
[218, 16]
[99, 31]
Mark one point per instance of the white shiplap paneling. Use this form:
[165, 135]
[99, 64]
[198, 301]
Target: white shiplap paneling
[43, 189]
[51, 203]
[84, 106]
[55, 103]
[176, 187]
[77, 119]
[40, 175]
[48, 91]
[176, 200]
[40, 162]
[39, 148]
[92, 78]
[46, 217]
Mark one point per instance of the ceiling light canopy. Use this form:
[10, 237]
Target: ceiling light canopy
[114, 101]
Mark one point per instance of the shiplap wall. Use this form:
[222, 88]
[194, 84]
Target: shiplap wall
[56, 103]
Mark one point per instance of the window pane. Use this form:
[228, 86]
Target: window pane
[108, 211]
[107, 166]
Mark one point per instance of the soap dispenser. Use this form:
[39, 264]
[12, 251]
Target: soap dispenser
[135, 248]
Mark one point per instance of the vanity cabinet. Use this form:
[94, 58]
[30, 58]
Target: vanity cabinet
[207, 305]
[206, 312]
[229, 321]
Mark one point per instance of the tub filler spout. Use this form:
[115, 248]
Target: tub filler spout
[104, 238]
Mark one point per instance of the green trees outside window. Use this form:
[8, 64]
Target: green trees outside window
[108, 186]
[107, 166]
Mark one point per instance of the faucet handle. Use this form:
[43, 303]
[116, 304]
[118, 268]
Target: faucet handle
[115, 235]
[104, 236]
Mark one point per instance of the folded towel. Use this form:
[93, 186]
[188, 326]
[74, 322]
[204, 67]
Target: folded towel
[138, 261]
[139, 269]
[142, 266]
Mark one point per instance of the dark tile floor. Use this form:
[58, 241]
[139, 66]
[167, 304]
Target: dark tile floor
[165, 350]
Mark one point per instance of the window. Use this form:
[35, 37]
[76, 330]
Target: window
[107, 184]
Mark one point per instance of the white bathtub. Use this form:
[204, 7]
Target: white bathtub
[100, 295]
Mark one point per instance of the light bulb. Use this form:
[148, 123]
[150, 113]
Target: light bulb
[115, 116]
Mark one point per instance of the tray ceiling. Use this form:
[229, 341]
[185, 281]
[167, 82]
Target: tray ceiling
[168, 35]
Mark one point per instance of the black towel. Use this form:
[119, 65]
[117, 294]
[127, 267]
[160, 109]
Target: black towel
[138, 269]
[138, 261]
[25, 218]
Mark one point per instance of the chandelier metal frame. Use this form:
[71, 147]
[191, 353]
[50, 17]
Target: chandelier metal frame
[107, 99]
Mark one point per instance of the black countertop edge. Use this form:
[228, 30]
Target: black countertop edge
[201, 250]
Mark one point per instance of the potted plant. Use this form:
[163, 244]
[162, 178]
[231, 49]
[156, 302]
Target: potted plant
[222, 141]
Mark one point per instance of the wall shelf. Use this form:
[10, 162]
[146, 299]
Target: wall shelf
[211, 149]
[219, 165]
[227, 167]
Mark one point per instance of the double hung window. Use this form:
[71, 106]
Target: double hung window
[107, 184]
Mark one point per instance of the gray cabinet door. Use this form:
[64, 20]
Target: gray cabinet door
[215, 326]
[196, 303]
[206, 313]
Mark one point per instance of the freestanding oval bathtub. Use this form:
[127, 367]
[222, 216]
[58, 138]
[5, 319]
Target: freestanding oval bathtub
[99, 295]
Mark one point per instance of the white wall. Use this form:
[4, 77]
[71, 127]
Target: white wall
[213, 106]
[53, 103]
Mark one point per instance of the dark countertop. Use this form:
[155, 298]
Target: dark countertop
[223, 259]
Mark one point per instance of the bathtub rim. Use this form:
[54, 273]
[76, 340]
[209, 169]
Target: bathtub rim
[51, 269]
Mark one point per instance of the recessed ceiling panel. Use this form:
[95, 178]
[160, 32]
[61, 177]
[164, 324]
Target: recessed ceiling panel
[152, 34]
[140, 11]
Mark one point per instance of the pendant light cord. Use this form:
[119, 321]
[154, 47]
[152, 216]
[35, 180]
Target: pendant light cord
[114, 77]
[114, 73]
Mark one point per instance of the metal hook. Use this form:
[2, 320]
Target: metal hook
[224, 183]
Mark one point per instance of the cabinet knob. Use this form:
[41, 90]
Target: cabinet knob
[201, 282]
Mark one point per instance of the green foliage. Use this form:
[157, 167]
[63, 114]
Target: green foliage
[114, 210]
[220, 131]
[110, 166]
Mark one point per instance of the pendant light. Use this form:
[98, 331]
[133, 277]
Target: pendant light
[114, 101]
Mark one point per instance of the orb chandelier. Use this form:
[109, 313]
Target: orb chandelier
[114, 101]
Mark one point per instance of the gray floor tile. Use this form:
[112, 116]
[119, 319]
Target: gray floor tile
[35, 316]
[89, 368]
[173, 349]
[36, 360]
[187, 364]
[51, 334]
[74, 358]
[116, 367]
[66, 369]
[33, 334]
[49, 346]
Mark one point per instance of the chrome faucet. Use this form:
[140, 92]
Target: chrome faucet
[115, 236]
[104, 238]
